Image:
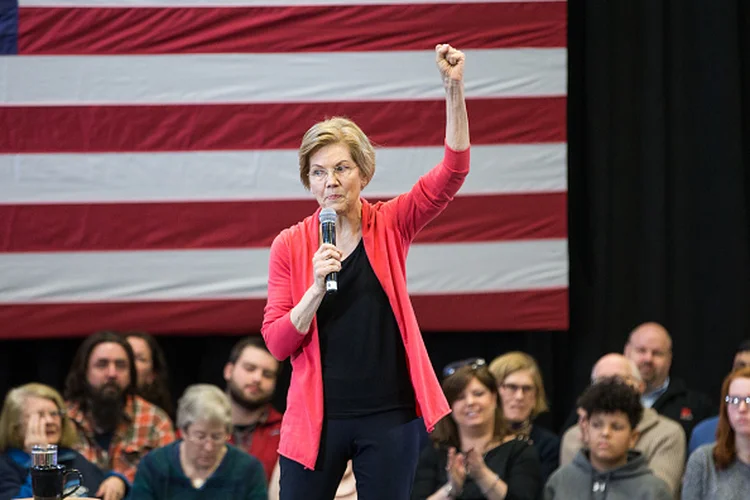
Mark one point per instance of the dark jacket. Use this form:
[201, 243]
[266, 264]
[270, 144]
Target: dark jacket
[15, 480]
[547, 445]
[684, 406]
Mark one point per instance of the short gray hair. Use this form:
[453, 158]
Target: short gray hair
[204, 403]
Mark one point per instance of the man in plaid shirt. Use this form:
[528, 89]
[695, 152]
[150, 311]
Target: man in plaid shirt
[115, 427]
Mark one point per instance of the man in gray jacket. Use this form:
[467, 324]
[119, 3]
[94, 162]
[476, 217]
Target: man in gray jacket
[608, 467]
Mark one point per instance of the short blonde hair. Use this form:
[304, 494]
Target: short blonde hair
[11, 417]
[204, 403]
[514, 361]
[334, 131]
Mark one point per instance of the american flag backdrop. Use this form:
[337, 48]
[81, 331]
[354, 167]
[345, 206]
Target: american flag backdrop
[148, 155]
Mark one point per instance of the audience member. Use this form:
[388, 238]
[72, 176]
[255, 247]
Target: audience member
[521, 389]
[201, 465]
[114, 427]
[152, 372]
[660, 439]
[250, 375]
[34, 414]
[608, 467]
[475, 454]
[705, 431]
[650, 347]
[721, 470]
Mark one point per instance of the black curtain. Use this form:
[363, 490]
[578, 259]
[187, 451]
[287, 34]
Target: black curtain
[659, 140]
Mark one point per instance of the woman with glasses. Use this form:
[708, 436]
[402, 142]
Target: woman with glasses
[474, 453]
[33, 415]
[721, 470]
[201, 465]
[521, 389]
[361, 373]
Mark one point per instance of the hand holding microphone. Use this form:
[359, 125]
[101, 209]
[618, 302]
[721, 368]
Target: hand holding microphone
[327, 260]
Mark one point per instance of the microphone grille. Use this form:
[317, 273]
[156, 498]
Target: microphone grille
[327, 215]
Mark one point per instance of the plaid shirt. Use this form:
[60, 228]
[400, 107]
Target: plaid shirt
[144, 428]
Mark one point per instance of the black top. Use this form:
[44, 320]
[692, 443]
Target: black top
[547, 446]
[516, 462]
[363, 356]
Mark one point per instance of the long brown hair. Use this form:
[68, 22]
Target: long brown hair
[157, 392]
[75, 383]
[725, 450]
[446, 430]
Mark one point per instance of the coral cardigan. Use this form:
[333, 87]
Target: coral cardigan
[388, 229]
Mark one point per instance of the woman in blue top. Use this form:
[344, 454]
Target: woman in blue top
[33, 414]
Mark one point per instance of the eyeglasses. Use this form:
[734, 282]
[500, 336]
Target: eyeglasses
[514, 388]
[736, 400]
[340, 171]
[474, 363]
[202, 439]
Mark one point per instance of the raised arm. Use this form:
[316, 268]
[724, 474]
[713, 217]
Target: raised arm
[451, 65]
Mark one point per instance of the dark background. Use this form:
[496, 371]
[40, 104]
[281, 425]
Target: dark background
[659, 143]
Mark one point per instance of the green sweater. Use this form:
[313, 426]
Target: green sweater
[160, 477]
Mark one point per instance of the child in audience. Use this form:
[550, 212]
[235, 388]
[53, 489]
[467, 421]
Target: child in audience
[607, 466]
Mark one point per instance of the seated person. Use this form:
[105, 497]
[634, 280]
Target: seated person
[608, 465]
[705, 431]
[475, 454]
[201, 466]
[519, 383]
[152, 379]
[115, 427]
[721, 470]
[34, 414]
[660, 439]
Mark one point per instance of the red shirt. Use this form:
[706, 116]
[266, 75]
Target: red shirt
[388, 229]
[263, 441]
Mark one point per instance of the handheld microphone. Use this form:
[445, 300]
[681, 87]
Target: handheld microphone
[327, 218]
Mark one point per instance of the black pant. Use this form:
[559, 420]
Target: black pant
[384, 449]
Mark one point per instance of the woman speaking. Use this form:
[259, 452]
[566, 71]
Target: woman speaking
[360, 372]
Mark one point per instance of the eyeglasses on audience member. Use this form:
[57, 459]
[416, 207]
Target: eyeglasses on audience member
[736, 400]
[474, 363]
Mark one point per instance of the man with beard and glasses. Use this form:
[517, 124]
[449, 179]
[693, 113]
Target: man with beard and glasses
[115, 428]
[251, 374]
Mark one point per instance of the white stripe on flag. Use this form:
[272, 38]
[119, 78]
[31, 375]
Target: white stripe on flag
[228, 273]
[255, 78]
[258, 175]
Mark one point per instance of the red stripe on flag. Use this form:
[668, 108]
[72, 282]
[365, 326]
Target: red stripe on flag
[112, 30]
[71, 129]
[522, 310]
[205, 225]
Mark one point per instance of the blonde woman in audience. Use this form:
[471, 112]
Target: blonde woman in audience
[201, 466]
[721, 470]
[33, 414]
[519, 382]
[475, 455]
